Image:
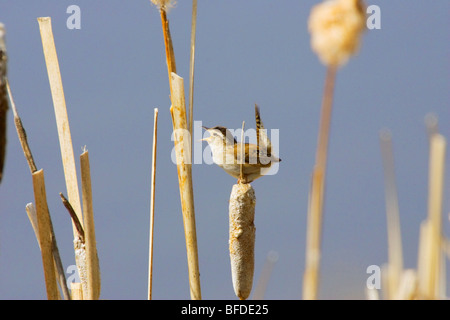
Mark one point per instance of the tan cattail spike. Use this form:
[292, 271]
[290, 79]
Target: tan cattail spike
[242, 238]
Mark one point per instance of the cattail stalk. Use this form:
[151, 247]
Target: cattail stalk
[184, 168]
[76, 290]
[62, 120]
[65, 139]
[21, 133]
[430, 250]
[152, 205]
[31, 211]
[261, 285]
[92, 263]
[163, 6]
[395, 266]
[3, 99]
[315, 206]
[45, 234]
[191, 70]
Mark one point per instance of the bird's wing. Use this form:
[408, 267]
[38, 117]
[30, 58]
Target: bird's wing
[253, 155]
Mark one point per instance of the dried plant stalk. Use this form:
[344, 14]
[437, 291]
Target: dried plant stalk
[32, 216]
[170, 55]
[261, 285]
[30, 208]
[65, 139]
[407, 289]
[45, 234]
[431, 275]
[76, 290]
[3, 99]
[191, 69]
[395, 268]
[242, 238]
[31, 212]
[21, 132]
[62, 120]
[184, 166]
[152, 205]
[92, 263]
[315, 205]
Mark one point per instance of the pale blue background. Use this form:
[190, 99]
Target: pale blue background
[114, 74]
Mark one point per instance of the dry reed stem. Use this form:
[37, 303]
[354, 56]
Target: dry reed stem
[30, 208]
[152, 204]
[3, 99]
[395, 268]
[431, 281]
[184, 168]
[62, 120]
[92, 263]
[170, 55]
[76, 290]
[31, 212]
[407, 288]
[45, 235]
[242, 238]
[315, 206]
[261, 285]
[191, 69]
[74, 217]
[21, 132]
[32, 216]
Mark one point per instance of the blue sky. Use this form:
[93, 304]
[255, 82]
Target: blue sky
[114, 75]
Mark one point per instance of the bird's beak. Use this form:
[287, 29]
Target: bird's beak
[205, 139]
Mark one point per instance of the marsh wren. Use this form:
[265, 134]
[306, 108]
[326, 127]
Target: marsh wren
[226, 152]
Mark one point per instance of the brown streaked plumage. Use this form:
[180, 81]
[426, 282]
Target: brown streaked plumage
[227, 152]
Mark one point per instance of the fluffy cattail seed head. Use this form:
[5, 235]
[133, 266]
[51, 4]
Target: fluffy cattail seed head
[164, 4]
[336, 27]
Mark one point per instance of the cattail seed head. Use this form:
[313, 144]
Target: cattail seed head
[242, 238]
[336, 27]
[164, 4]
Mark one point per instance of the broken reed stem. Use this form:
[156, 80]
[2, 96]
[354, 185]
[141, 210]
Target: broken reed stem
[31, 210]
[152, 204]
[92, 263]
[242, 238]
[170, 55]
[184, 168]
[62, 120]
[21, 132]
[191, 70]
[76, 290]
[79, 245]
[73, 215]
[395, 265]
[45, 234]
[315, 206]
[32, 216]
